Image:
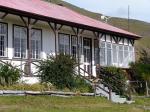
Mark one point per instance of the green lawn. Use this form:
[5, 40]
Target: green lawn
[70, 104]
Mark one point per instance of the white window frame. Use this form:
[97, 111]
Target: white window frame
[3, 49]
[116, 62]
[36, 38]
[66, 46]
[20, 38]
[36, 53]
[104, 48]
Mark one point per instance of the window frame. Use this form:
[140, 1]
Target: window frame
[59, 42]
[26, 42]
[6, 52]
[41, 43]
[124, 63]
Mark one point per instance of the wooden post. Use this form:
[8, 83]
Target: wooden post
[110, 91]
[147, 89]
[94, 89]
[78, 51]
[28, 24]
[97, 35]
[29, 47]
[77, 33]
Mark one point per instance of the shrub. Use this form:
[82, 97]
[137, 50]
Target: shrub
[58, 70]
[114, 77]
[8, 75]
[140, 71]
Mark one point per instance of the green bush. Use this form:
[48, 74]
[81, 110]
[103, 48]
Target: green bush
[114, 77]
[8, 75]
[58, 70]
[140, 71]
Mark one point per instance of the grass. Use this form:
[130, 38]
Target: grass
[70, 104]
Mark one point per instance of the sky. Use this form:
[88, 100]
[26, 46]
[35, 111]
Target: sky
[139, 9]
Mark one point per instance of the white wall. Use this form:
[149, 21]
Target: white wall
[48, 42]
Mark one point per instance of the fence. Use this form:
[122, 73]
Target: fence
[139, 87]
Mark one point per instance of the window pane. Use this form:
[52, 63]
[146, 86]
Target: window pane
[126, 53]
[102, 54]
[120, 55]
[64, 44]
[74, 46]
[109, 54]
[3, 39]
[131, 54]
[114, 47]
[35, 43]
[20, 41]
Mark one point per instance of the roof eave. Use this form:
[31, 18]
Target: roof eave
[48, 19]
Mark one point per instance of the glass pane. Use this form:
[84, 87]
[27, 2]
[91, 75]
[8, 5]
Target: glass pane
[126, 54]
[74, 46]
[64, 44]
[102, 54]
[109, 54]
[114, 47]
[3, 39]
[35, 43]
[20, 41]
[120, 55]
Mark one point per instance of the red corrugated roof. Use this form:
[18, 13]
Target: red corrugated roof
[50, 10]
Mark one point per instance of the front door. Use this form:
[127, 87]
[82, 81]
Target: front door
[87, 52]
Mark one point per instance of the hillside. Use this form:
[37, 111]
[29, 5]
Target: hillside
[139, 27]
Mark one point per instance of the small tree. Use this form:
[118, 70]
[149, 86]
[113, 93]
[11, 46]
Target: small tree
[8, 75]
[140, 70]
[114, 77]
[58, 70]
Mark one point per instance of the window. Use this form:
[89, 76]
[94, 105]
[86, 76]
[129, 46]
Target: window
[3, 39]
[74, 46]
[64, 44]
[115, 53]
[35, 43]
[120, 55]
[126, 54]
[131, 54]
[20, 41]
[102, 54]
[109, 54]
[96, 51]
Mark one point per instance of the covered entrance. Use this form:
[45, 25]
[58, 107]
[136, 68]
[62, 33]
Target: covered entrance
[87, 55]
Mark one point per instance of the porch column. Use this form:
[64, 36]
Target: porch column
[78, 33]
[29, 27]
[29, 24]
[97, 36]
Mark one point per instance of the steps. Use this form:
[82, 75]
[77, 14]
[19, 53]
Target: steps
[114, 97]
[101, 89]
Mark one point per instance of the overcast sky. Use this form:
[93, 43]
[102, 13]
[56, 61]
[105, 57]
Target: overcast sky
[139, 9]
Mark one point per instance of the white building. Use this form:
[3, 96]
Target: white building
[32, 29]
